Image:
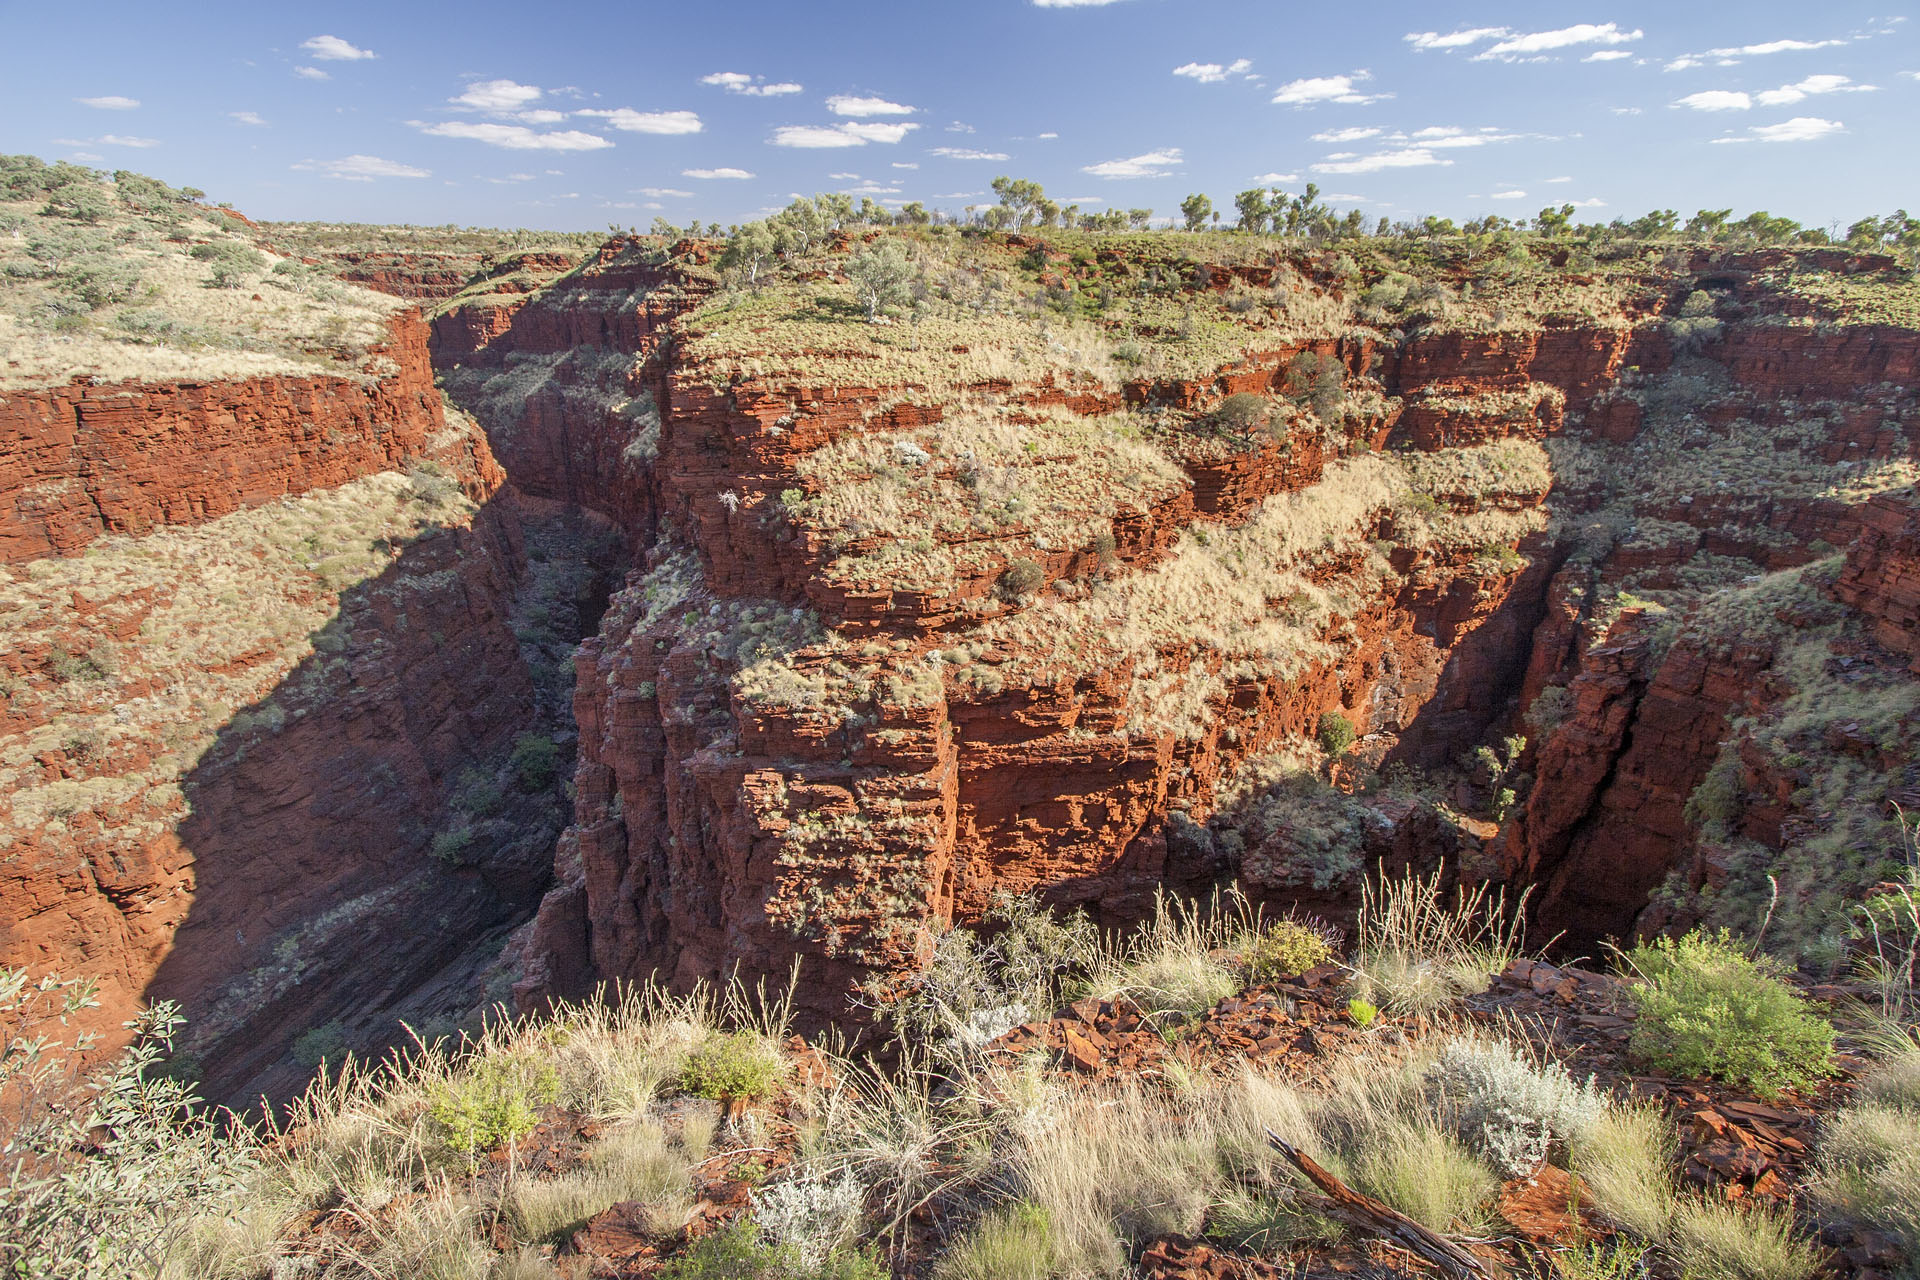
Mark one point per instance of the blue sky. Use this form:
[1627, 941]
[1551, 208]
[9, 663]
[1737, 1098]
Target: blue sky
[575, 115]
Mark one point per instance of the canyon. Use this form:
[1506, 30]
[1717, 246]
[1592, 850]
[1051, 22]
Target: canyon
[869, 636]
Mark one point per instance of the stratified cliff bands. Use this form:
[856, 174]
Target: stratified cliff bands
[940, 613]
[1097, 569]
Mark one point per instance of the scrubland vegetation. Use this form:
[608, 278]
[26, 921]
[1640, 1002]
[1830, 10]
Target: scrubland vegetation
[484, 1158]
[121, 276]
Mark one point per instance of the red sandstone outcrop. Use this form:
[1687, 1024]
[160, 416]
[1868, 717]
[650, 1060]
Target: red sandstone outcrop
[90, 458]
[1882, 574]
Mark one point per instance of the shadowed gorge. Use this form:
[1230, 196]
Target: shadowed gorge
[921, 745]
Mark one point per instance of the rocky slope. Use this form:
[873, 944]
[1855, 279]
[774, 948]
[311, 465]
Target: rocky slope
[901, 643]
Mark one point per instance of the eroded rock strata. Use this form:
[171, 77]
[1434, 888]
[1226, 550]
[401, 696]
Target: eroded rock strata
[806, 735]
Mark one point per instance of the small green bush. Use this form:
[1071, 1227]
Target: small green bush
[737, 1065]
[1336, 733]
[324, 1043]
[1022, 578]
[495, 1102]
[1285, 949]
[1708, 1009]
[1362, 1012]
[451, 845]
[536, 761]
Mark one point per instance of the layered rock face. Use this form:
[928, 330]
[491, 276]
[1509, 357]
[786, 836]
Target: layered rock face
[262, 758]
[90, 458]
[802, 738]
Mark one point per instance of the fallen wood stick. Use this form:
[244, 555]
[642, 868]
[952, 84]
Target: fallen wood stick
[1364, 1213]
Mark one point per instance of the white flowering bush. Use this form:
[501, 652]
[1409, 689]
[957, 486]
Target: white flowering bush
[1513, 1110]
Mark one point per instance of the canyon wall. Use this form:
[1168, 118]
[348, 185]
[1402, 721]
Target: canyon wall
[89, 458]
[269, 757]
[720, 831]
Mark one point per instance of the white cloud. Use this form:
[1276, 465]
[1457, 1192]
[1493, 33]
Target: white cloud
[541, 116]
[515, 137]
[112, 102]
[1734, 53]
[957, 195]
[715, 173]
[1154, 164]
[497, 96]
[1716, 100]
[1562, 179]
[631, 121]
[1625, 111]
[1277, 177]
[362, 168]
[842, 104]
[1508, 195]
[85, 157]
[1515, 47]
[752, 86]
[1798, 129]
[334, 49]
[109, 140]
[1591, 202]
[838, 135]
[871, 189]
[311, 73]
[1045, 136]
[968, 153]
[661, 192]
[1452, 136]
[844, 177]
[906, 164]
[1454, 39]
[1346, 135]
[1403, 158]
[510, 178]
[1606, 55]
[247, 117]
[1213, 72]
[1306, 92]
[1788, 94]
[1911, 75]
[959, 126]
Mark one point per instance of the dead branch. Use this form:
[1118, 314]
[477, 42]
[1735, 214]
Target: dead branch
[1365, 1214]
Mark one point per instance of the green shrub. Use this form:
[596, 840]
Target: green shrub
[1708, 1009]
[1285, 949]
[324, 1043]
[231, 261]
[737, 1065]
[1336, 733]
[1022, 578]
[451, 845]
[536, 761]
[1241, 414]
[1362, 1012]
[496, 1101]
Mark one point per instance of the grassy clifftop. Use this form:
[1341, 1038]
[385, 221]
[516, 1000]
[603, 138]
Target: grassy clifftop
[123, 277]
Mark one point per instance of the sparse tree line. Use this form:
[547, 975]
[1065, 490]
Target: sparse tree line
[1023, 205]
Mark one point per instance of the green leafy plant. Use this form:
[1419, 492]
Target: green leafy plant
[1284, 949]
[1362, 1012]
[1707, 1008]
[496, 1101]
[536, 761]
[1336, 734]
[737, 1065]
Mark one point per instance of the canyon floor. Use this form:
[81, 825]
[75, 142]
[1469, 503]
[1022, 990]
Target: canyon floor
[421, 634]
